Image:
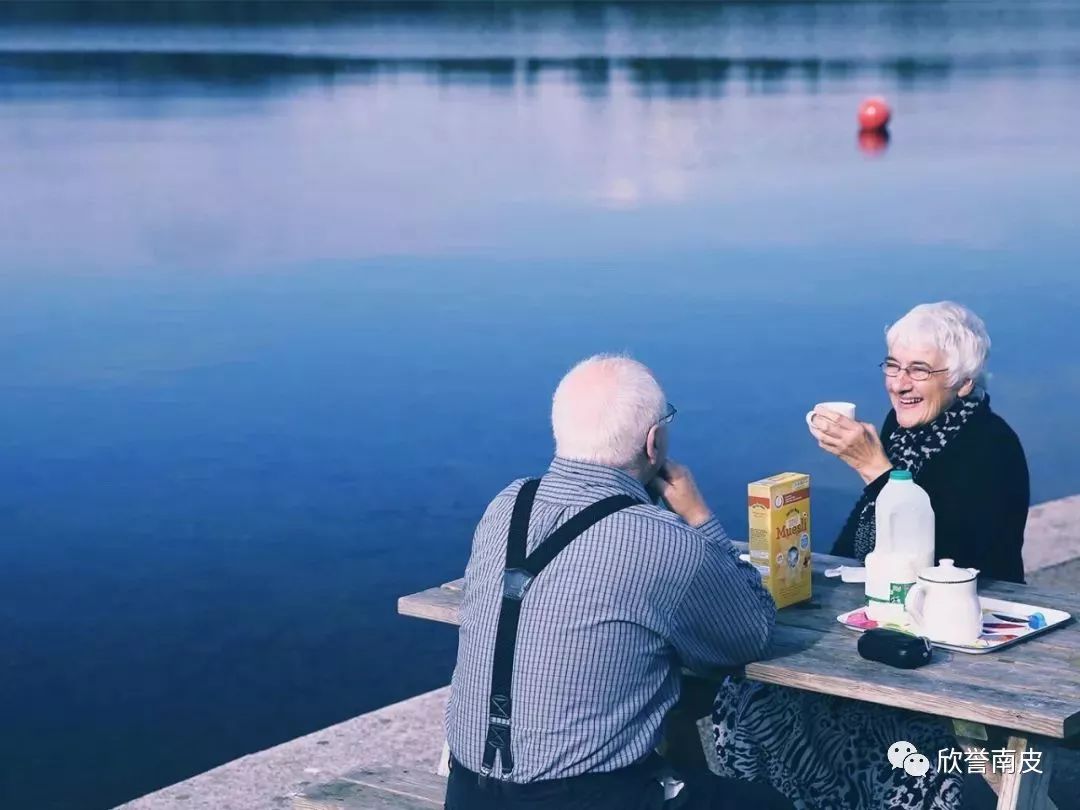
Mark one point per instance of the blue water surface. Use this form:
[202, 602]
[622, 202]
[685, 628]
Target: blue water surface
[283, 300]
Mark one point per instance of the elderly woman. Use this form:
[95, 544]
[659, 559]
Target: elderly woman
[828, 753]
[942, 430]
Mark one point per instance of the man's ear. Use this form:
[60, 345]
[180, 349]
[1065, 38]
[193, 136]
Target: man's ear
[652, 451]
[966, 388]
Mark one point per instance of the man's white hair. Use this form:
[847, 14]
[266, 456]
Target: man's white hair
[603, 409]
[958, 332]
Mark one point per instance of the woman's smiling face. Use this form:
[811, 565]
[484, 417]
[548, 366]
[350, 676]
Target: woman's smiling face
[918, 402]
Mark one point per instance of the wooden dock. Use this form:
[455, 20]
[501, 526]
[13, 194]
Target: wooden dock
[367, 789]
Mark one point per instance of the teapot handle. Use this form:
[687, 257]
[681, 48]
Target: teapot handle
[913, 604]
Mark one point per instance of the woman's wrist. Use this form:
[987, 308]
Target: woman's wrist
[874, 470]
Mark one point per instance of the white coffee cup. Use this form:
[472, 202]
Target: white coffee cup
[845, 408]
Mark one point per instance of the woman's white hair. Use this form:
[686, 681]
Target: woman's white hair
[952, 328]
[603, 410]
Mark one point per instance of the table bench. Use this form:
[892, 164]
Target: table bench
[1032, 690]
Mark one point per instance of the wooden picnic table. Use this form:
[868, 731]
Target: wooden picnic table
[1031, 690]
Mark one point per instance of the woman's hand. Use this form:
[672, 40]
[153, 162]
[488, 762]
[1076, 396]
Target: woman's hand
[855, 443]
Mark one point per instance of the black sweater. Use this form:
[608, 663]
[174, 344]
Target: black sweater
[978, 486]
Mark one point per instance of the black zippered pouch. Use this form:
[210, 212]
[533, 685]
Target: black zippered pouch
[895, 648]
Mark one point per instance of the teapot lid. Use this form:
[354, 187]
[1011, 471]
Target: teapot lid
[946, 571]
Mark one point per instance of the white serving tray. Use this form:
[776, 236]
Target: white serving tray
[998, 633]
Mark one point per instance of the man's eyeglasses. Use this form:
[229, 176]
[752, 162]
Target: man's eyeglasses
[916, 371]
[669, 414]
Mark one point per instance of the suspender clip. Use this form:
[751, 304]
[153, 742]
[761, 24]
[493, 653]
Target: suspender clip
[515, 582]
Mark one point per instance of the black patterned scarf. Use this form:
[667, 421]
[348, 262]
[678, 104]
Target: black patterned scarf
[909, 449]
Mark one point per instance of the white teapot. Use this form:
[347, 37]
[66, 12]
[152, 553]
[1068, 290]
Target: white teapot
[944, 604]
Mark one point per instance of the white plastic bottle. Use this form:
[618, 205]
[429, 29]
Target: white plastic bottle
[905, 520]
[889, 577]
[903, 546]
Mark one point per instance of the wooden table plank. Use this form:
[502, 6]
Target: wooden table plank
[838, 670]
[434, 604]
[1032, 688]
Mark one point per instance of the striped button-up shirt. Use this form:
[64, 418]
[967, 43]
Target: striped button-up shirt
[604, 628]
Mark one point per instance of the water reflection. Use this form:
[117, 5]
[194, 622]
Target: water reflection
[873, 141]
[673, 77]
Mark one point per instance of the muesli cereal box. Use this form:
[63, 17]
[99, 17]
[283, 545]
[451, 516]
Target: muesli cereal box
[780, 535]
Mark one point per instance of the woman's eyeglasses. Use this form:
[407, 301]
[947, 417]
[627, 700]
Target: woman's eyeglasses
[916, 371]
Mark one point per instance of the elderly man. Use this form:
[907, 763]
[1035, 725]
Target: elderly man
[582, 599]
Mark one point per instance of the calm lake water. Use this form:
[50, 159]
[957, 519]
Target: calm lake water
[283, 301]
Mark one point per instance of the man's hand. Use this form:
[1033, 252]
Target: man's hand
[676, 486]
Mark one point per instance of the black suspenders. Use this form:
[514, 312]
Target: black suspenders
[517, 576]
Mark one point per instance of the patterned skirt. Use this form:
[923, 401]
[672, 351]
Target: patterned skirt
[829, 753]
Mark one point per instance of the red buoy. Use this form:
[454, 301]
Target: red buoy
[874, 114]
